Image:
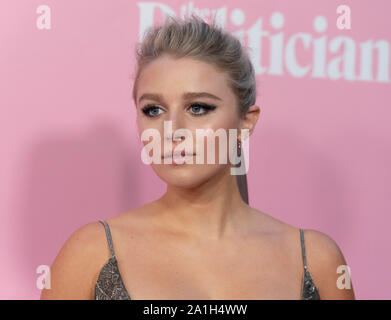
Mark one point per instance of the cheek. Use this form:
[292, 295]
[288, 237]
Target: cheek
[142, 122]
[149, 129]
[220, 129]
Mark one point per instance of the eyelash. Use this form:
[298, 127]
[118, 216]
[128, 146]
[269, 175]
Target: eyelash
[204, 106]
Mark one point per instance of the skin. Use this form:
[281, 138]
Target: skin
[199, 240]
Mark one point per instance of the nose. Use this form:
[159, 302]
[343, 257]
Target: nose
[177, 122]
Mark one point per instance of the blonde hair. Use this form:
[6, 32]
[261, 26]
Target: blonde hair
[193, 37]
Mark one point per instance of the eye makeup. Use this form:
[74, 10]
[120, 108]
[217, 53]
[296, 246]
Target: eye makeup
[198, 105]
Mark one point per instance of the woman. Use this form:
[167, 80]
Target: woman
[201, 239]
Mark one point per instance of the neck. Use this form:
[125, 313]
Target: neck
[212, 210]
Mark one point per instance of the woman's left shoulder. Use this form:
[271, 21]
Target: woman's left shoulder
[323, 245]
[327, 265]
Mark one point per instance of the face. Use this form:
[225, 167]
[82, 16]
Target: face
[163, 94]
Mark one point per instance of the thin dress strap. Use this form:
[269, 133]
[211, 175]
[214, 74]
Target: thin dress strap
[108, 234]
[303, 248]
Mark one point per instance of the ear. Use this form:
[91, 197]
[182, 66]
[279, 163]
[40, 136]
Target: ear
[250, 119]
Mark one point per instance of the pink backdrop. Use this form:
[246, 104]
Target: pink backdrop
[320, 155]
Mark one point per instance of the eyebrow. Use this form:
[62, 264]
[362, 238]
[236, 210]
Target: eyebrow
[185, 96]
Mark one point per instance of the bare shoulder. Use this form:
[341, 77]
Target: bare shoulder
[325, 259]
[328, 266]
[77, 264]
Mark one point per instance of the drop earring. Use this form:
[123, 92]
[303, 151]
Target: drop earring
[239, 149]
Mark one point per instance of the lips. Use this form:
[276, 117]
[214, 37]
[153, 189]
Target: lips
[183, 154]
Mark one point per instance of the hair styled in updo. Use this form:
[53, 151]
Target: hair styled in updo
[193, 37]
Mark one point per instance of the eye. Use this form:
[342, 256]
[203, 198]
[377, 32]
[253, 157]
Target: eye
[199, 109]
[151, 108]
[196, 107]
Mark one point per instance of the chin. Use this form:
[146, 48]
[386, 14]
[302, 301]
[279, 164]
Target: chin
[188, 175]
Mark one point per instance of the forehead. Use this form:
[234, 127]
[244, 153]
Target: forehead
[171, 76]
